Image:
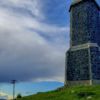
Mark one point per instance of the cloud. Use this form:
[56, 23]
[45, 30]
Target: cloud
[23, 7]
[5, 96]
[30, 49]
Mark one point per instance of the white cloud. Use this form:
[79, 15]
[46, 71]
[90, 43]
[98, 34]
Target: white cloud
[4, 95]
[34, 7]
[25, 54]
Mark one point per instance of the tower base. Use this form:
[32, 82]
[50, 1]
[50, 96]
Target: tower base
[84, 82]
[83, 65]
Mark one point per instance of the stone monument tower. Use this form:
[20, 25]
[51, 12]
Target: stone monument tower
[83, 56]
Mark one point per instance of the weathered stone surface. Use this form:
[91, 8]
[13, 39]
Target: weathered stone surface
[84, 23]
[83, 57]
[78, 65]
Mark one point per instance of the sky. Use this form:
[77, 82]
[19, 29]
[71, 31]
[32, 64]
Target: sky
[33, 39]
[34, 36]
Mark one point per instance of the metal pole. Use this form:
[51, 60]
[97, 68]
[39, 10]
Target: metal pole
[13, 91]
[13, 82]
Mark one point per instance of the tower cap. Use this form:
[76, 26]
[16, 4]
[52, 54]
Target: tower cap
[77, 2]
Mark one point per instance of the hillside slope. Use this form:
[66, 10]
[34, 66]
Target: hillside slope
[69, 93]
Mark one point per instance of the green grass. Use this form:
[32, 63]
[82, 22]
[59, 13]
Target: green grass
[68, 93]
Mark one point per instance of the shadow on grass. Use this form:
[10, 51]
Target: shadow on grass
[85, 94]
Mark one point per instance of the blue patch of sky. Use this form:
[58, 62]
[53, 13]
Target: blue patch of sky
[29, 88]
[98, 1]
[56, 12]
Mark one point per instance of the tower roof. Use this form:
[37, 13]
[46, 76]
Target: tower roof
[77, 2]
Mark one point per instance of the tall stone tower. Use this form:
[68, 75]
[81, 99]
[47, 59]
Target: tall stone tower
[83, 56]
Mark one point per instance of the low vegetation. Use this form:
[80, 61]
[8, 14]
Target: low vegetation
[68, 93]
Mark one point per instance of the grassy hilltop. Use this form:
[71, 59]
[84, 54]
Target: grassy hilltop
[69, 93]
